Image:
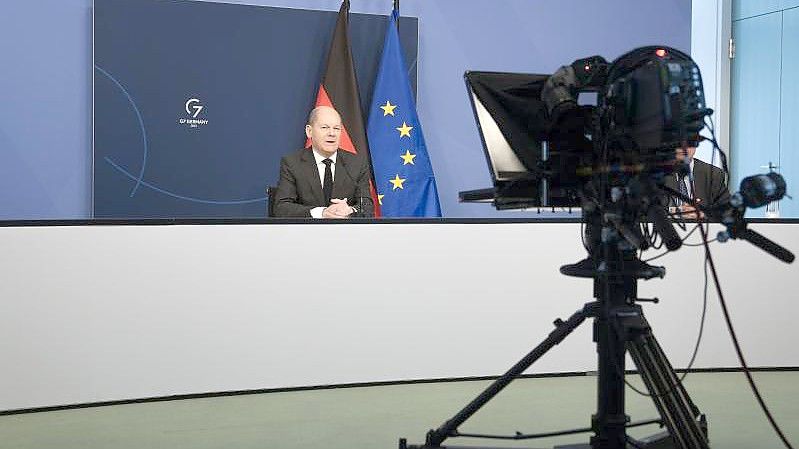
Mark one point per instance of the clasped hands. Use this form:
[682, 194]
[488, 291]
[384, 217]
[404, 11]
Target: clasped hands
[690, 211]
[338, 209]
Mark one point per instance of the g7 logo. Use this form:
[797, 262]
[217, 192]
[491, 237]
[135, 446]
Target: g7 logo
[193, 104]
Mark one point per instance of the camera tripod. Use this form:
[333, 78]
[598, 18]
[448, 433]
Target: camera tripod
[619, 326]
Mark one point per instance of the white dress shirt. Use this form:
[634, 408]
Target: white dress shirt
[316, 212]
[688, 182]
[320, 166]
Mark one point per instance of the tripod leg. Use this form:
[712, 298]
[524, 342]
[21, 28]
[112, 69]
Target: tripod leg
[562, 329]
[678, 412]
[609, 422]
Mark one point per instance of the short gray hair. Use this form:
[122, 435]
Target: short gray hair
[312, 115]
[315, 112]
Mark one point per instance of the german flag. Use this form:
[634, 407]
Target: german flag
[339, 89]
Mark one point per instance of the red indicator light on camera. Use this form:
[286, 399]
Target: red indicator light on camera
[661, 53]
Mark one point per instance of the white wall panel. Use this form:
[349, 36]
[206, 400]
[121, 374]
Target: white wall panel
[116, 312]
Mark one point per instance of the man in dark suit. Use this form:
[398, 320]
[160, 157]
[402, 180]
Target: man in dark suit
[706, 185]
[323, 181]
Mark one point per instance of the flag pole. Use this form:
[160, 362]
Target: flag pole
[396, 8]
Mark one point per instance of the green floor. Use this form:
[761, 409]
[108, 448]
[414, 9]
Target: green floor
[375, 417]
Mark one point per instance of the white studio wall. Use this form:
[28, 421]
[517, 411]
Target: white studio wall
[99, 313]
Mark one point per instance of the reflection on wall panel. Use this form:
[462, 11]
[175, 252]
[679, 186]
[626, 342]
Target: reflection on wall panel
[742, 9]
[755, 99]
[789, 111]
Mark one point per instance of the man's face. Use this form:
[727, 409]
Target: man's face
[325, 131]
[685, 154]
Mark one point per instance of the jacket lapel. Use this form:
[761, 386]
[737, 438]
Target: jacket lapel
[312, 176]
[343, 186]
[701, 180]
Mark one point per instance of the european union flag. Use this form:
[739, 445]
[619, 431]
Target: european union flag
[404, 177]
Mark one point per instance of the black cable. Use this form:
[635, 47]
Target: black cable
[666, 252]
[737, 346]
[525, 436]
[698, 337]
[722, 157]
[709, 263]
[655, 242]
[716, 147]
[704, 313]
[582, 235]
[656, 257]
[699, 244]
[709, 181]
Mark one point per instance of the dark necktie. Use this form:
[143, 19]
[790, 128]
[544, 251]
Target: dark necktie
[327, 184]
[683, 188]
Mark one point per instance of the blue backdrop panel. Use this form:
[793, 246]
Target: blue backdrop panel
[195, 103]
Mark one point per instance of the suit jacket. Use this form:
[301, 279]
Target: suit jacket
[709, 184]
[300, 190]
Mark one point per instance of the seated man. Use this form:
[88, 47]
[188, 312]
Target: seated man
[706, 184]
[322, 181]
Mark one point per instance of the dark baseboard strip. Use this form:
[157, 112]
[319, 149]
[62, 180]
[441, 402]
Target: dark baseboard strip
[279, 221]
[181, 397]
[285, 221]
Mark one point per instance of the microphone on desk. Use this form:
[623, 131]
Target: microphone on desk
[358, 201]
[359, 210]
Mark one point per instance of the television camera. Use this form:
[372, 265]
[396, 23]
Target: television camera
[546, 147]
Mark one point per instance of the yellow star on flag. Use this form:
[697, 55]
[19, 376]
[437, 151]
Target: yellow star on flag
[397, 181]
[407, 158]
[388, 108]
[380, 199]
[404, 130]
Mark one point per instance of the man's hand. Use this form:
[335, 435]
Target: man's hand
[691, 212]
[338, 209]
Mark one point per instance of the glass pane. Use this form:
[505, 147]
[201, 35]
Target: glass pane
[755, 102]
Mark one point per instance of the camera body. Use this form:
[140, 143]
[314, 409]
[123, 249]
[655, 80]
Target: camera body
[653, 100]
[650, 101]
